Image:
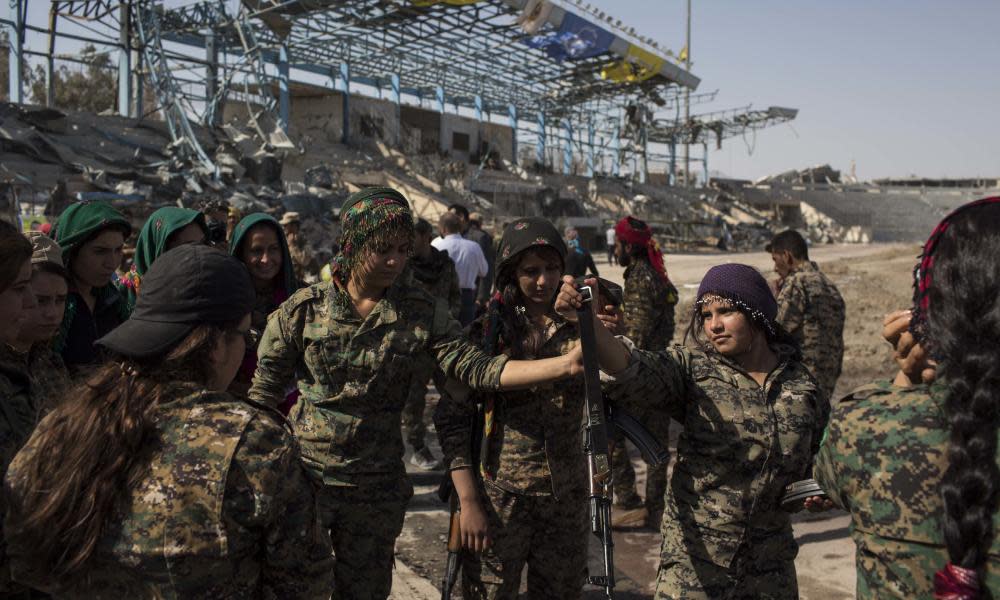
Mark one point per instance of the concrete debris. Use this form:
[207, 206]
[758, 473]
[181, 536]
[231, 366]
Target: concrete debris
[49, 157]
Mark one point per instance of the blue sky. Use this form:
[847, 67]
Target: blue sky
[900, 87]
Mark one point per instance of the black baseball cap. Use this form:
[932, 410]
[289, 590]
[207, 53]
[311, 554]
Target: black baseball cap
[187, 286]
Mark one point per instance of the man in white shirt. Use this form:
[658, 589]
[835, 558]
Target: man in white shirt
[609, 236]
[470, 262]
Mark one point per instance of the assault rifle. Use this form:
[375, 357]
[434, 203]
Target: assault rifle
[447, 493]
[595, 443]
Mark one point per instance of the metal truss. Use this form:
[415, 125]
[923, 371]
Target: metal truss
[470, 55]
[720, 125]
[174, 104]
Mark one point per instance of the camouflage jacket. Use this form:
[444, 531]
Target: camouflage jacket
[882, 459]
[48, 375]
[22, 395]
[226, 510]
[438, 277]
[354, 374]
[534, 447]
[648, 307]
[19, 409]
[811, 310]
[741, 445]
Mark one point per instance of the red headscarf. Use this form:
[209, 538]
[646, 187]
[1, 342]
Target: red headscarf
[922, 276]
[633, 231]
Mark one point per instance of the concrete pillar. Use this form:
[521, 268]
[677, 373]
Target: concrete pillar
[672, 175]
[345, 87]
[397, 99]
[15, 13]
[214, 113]
[284, 91]
[590, 149]
[50, 83]
[440, 98]
[540, 148]
[477, 103]
[512, 114]
[616, 145]
[125, 61]
[139, 87]
[567, 147]
[704, 149]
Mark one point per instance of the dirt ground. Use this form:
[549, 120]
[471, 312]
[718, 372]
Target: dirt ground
[873, 279]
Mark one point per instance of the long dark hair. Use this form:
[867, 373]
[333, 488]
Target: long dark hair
[92, 449]
[516, 329]
[963, 332]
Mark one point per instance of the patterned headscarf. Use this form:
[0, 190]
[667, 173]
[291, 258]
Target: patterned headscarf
[922, 274]
[372, 215]
[633, 231]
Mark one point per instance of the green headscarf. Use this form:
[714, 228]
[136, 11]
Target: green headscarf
[81, 220]
[152, 242]
[287, 268]
[78, 223]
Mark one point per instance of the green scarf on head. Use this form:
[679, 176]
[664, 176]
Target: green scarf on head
[287, 268]
[152, 242]
[82, 220]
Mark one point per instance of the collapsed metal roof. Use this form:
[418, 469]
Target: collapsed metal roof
[549, 63]
[492, 49]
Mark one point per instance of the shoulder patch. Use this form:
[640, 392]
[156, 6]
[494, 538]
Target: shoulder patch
[879, 388]
[316, 291]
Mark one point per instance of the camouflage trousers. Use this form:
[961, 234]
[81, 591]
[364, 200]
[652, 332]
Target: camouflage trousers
[364, 523]
[623, 474]
[414, 428]
[547, 534]
[754, 574]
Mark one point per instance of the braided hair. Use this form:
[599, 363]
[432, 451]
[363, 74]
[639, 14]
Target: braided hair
[959, 321]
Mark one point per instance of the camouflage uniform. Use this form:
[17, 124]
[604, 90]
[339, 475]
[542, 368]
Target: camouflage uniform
[226, 510]
[535, 480]
[354, 376]
[437, 276]
[303, 260]
[48, 375]
[811, 310]
[883, 459]
[723, 528]
[649, 322]
[19, 407]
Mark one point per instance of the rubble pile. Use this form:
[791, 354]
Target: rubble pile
[49, 158]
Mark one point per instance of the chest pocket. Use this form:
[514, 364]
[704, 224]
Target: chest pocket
[325, 356]
[796, 415]
[715, 417]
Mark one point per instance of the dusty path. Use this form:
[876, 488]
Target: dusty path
[873, 279]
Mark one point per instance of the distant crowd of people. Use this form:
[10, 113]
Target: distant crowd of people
[207, 424]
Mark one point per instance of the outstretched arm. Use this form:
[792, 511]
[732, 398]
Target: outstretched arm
[459, 358]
